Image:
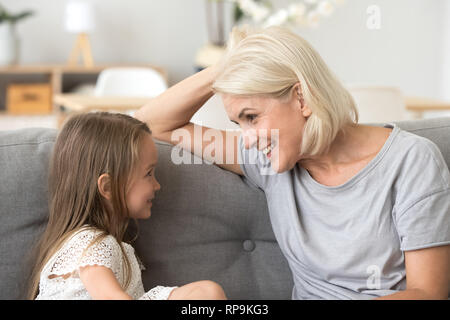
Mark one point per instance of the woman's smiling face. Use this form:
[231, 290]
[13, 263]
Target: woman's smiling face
[270, 122]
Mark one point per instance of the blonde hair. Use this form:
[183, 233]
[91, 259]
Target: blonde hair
[88, 146]
[270, 62]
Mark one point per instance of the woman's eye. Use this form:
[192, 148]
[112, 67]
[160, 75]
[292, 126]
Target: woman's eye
[251, 117]
[149, 174]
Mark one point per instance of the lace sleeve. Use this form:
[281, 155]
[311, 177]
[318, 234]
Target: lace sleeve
[158, 293]
[105, 253]
[74, 254]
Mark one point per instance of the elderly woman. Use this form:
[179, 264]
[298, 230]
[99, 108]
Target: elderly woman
[360, 212]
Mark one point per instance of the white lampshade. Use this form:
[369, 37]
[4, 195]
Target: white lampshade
[79, 17]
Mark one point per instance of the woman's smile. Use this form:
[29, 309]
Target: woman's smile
[268, 149]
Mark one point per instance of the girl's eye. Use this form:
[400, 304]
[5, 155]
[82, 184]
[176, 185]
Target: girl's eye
[149, 174]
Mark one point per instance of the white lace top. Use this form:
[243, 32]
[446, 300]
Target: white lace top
[60, 278]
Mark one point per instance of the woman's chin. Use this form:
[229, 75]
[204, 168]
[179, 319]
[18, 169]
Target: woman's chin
[278, 169]
[277, 166]
[280, 166]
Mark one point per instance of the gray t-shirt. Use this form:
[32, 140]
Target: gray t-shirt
[347, 241]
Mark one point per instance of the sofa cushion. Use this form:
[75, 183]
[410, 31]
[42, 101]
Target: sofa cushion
[208, 223]
[24, 156]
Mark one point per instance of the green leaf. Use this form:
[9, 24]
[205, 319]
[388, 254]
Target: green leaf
[6, 16]
[21, 16]
[238, 13]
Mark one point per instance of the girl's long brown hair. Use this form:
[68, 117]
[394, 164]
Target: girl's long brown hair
[88, 146]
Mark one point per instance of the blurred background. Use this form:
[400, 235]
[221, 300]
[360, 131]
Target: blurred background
[394, 55]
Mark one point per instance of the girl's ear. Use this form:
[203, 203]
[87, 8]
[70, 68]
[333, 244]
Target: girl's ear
[104, 186]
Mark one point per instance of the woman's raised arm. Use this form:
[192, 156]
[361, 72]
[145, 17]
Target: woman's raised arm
[169, 114]
[175, 107]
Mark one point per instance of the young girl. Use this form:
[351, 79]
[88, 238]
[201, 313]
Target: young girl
[101, 176]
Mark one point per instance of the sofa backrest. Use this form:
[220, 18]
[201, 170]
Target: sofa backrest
[437, 130]
[24, 156]
[206, 223]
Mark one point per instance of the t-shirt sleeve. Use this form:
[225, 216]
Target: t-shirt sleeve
[423, 212]
[255, 165]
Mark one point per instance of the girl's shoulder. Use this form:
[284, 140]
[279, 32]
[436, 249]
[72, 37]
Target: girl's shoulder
[87, 246]
[91, 241]
[88, 235]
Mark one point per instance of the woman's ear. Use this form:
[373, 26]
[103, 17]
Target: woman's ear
[104, 186]
[306, 111]
[298, 95]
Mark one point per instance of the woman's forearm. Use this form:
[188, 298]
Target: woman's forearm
[176, 106]
[412, 294]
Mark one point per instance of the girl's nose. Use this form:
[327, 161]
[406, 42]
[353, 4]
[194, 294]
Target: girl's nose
[157, 185]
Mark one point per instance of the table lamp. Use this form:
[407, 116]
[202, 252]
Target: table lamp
[79, 19]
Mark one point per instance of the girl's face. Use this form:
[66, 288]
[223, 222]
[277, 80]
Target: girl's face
[270, 122]
[143, 184]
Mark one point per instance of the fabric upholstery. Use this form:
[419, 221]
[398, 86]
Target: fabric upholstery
[206, 223]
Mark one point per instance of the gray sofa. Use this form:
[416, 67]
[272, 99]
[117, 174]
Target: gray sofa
[206, 223]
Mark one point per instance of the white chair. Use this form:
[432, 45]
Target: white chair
[379, 104]
[130, 82]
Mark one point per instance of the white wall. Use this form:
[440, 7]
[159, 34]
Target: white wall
[406, 52]
[445, 70]
[162, 32]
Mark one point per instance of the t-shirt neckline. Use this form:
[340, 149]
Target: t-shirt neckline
[304, 174]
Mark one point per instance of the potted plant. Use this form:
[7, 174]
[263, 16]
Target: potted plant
[9, 40]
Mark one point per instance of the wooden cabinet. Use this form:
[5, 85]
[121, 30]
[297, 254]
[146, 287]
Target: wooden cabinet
[29, 98]
[25, 89]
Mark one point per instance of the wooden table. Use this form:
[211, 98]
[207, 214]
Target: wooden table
[83, 103]
[419, 105]
[72, 103]
[77, 102]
